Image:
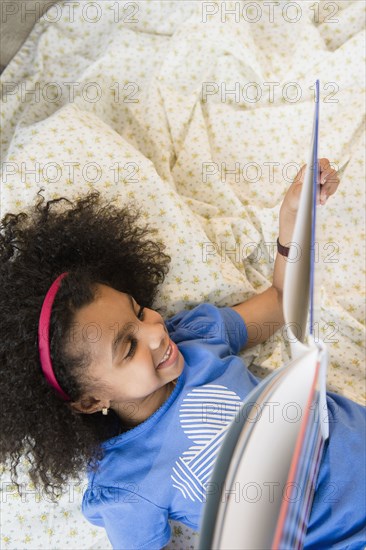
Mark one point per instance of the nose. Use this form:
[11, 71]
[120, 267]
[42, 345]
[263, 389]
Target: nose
[156, 336]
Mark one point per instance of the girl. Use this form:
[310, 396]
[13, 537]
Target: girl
[92, 376]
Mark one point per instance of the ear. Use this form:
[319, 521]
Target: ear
[87, 405]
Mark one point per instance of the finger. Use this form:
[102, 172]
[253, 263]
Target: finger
[328, 189]
[324, 164]
[300, 173]
[329, 176]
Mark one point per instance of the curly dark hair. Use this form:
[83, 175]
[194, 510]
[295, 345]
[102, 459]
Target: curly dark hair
[96, 242]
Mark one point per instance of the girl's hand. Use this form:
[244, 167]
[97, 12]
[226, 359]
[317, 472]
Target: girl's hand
[329, 182]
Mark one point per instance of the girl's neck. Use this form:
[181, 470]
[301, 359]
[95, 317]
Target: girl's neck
[130, 423]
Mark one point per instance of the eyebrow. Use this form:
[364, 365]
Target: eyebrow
[121, 334]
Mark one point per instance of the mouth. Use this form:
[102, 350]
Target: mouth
[169, 356]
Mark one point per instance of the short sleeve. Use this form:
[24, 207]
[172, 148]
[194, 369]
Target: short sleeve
[131, 521]
[236, 329]
[211, 323]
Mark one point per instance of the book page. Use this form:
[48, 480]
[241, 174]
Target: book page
[257, 476]
[298, 286]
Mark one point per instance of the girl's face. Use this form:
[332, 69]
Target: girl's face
[126, 365]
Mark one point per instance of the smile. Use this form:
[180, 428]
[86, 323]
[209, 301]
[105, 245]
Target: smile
[167, 354]
[170, 356]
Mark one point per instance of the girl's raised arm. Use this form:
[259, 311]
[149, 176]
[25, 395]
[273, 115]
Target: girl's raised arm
[263, 313]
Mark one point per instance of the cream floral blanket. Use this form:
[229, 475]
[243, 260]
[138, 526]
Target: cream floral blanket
[201, 112]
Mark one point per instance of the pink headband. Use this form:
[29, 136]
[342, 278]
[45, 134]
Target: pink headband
[43, 337]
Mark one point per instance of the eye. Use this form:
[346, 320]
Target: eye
[141, 313]
[131, 352]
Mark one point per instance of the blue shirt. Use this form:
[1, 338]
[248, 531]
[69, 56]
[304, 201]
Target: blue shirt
[159, 469]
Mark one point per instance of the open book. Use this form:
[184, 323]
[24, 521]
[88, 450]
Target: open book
[262, 486]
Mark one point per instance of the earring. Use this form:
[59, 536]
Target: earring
[104, 410]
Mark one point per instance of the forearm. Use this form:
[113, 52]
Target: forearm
[286, 229]
[288, 211]
[263, 313]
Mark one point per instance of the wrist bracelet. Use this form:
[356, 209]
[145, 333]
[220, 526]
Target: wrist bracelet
[283, 250]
